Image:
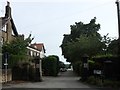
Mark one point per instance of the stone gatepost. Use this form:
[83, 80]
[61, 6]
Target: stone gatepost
[85, 67]
[38, 69]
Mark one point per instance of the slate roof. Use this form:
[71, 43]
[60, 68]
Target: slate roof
[4, 21]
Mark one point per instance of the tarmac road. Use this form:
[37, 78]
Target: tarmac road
[65, 81]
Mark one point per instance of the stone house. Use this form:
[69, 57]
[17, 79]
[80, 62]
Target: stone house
[8, 29]
[8, 32]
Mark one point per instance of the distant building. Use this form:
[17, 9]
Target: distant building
[36, 49]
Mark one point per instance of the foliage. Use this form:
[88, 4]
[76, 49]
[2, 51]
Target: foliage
[113, 47]
[80, 28]
[50, 65]
[104, 83]
[106, 40]
[17, 46]
[91, 80]
[111, 83]
[16, 49]
[17, 59]
[108, 64]
[84, 39]
[61, 64]
[77, 66]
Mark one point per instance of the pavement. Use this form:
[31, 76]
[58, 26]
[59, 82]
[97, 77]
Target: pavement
[64, 81]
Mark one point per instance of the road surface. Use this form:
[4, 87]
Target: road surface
[65, 81]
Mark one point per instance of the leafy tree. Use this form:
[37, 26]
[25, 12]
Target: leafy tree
[84, 45]
[89, 29]
[17, 48]
[113, 47]
[83, 39]
[106, 40]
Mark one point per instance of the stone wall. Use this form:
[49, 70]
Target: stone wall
[3, 77]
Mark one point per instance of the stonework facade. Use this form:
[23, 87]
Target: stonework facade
[7, 26]
[8, 32]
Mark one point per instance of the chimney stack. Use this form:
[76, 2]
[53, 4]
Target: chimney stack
[8, 25]
[8, 10]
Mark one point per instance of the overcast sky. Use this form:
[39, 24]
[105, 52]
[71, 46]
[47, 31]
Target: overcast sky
[48, 20]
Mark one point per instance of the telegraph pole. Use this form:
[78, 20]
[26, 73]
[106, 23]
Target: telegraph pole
[118, 14]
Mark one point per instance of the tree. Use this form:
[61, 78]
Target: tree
[83, 39]
[113, 47]
[84, 45]
[17, 48]
[90, 29]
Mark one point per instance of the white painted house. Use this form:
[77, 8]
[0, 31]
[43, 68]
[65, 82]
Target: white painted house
[36, 49]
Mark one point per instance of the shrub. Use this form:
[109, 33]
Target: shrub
[110, 66]
[111, 83]
[77, 67]
[50, 66]
[105, 83]
[91, 80]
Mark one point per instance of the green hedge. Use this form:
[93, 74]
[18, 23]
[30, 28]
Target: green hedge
[104, 83]
[110, 66]
[15, 60]
[50, 66]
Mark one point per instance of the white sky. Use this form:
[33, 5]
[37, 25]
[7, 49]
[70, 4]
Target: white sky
[48, 20]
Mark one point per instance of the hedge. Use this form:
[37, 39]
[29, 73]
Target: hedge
[110, 66]
[50, 66]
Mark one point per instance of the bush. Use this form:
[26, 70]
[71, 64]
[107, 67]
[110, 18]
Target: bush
[15, 59]
[91, 80]
[77, 67]
[50, 66]
[105, 83]
[111, 83]
[94, 81]
[110, 66]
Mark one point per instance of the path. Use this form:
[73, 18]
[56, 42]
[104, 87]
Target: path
[64, 80]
